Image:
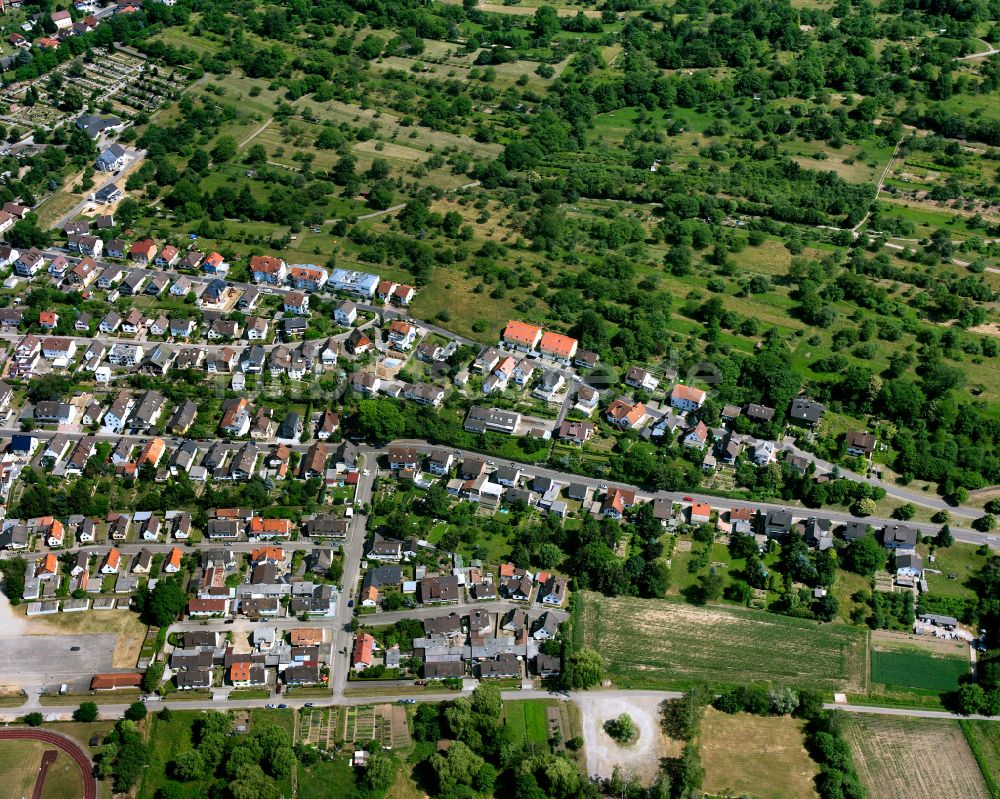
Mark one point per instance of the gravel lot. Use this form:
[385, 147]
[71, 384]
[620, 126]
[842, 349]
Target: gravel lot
[641, 759]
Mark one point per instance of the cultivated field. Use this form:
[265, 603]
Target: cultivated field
[910, 667]
[897, 757]
[746, 755]
[659, 644]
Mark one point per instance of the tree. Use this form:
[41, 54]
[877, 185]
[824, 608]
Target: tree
[380, 196]
[380, 420]
[189, 765]
[34, 719]
[380, 773]
[153, 676]
[224, 150]
[621, 729]
[905, 512]
[457, 766]
[87, 712]
[985, 524]
[583, 669]
[970, 698]
[944, 538]
[864, 507]
[487, 701]
[864, 556]
[136, 711]
[165, 603]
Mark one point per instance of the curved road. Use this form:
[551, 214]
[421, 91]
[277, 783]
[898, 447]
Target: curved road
[63, 743]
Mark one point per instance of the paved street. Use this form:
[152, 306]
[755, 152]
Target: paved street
[112, 711]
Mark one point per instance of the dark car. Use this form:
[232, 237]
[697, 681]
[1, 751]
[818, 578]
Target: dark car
[282, 705]
[74, 649]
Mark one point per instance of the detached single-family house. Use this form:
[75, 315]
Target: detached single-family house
[686, 398]
[112, 159]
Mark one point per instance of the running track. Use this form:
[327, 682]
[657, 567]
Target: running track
[63, 743]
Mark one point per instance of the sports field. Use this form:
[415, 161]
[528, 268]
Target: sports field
[896, 756]
[19, 764]
[662, 644]
[915, 669]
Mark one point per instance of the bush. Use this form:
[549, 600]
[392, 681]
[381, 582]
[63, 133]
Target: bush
[87, 712]
[622, 729]
[34, 719]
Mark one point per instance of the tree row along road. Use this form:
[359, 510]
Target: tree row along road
[65, 745]
[113, 711]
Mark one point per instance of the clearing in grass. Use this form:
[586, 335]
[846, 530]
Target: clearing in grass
[663, 644]
[745, 755]
[896, 756]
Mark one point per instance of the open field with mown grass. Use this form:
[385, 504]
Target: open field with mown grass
[745, 755]
[898, 757]
[665, 644]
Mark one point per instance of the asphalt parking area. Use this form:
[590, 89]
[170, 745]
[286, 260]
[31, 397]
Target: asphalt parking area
[52, 657]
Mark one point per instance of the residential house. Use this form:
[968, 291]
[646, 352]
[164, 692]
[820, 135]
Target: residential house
[576, 432]
[859, 444]
[345, 313]
[641, 379]
[402, 334]
[557, 347]
[900, 538]
[112, 159]
[806, 412]
[267, 269]
[494, 420]
[143, 251]
[236, 417]
[29, 263]
[686, 398]
[623, 414]
[521, 336]
[697, 437]
[307, 277]
[617, 501]
[777, 523]
[439, 590]
[296, 302]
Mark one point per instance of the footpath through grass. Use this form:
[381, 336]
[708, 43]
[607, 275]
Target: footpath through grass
[664, 644]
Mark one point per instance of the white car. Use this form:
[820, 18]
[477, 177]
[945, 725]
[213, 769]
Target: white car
[366, 473]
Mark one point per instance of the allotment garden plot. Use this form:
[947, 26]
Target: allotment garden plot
[663, 644]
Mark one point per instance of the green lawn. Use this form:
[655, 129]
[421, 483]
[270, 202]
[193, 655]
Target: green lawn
[528, 718]
[960, 560]
[326, 778]
[915, 669]
[168, 739]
